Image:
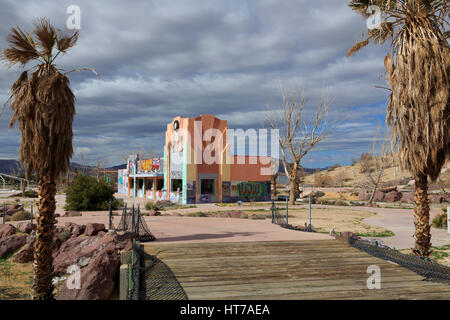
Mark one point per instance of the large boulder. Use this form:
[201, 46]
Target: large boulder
[11, 209]
[26, 227]
[72, 214]
[97, 279]
[434, 198]
[11, 243]
[378, 196]
[408, 197]
[26, 253]
[6, 230]
[75, 229]
[93, 228]
[82, 250]
[393, 196]
[363, 195]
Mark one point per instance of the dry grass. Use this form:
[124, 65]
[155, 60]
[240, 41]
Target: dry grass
[324, 219]
[15, 280]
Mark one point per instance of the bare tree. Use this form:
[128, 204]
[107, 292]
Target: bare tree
[298, 132]
[379, 163]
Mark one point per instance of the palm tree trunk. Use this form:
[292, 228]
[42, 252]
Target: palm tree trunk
[43, 259]
[421, 217]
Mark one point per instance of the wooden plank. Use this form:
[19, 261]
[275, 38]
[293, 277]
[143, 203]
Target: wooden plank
[322, 269]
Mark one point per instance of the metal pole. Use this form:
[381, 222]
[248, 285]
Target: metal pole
[137, 220]
[309, 227]
[448, 220]
[125, 218]
[273, 211]
[287, 211]
[132, 218]
[110, 214]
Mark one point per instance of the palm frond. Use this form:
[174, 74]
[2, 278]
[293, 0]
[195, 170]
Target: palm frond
[21, 48]
[66, 41]
[46, 36]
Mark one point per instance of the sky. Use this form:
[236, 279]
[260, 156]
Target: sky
[161, 59]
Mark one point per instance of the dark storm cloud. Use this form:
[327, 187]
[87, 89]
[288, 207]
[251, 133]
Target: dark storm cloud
[160, 59]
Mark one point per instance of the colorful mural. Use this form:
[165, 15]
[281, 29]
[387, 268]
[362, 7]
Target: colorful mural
[190, 192]
[245, 191]
[122, 181]
[150, 165]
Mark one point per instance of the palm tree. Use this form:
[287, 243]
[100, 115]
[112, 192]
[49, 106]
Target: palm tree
[418, 109]
[43, 105]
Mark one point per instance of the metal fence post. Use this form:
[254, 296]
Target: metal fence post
[448, 220]
[124, 218]
[310, 227]
[132, 218]
[137, 220]
[287, 211]
[110, 215]
[273, 211]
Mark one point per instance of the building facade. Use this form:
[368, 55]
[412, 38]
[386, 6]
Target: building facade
[198, 167]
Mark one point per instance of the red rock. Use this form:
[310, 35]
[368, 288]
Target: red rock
[11, 243]
[81, 250]
[26, 253]
[393, 196]
[72, 214]
[75, 229]
[93, 228]
[408, 197]
[434, 198]
[26, 227]
[378, 196]
[6, 230]
[153, 213]
[98, 278]
[363, 195]
[349, 235]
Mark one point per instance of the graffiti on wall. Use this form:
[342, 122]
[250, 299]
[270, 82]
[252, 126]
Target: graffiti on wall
[190, 192]
[245, 191]
[150, 165]
[122, 181]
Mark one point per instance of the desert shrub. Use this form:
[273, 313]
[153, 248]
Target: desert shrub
[87, 194]
[365, 162]
[20, 216]
[197, 214]
[64, 236]
[31, 194]
[323, 180]
[150, 205]
[440, 221]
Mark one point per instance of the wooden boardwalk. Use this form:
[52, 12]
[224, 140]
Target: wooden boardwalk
[319, 269]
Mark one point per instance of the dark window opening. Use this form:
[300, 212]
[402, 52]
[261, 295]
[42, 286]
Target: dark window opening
[207, 186]
[177, 183]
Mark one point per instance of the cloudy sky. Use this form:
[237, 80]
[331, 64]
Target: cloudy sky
[159, 59]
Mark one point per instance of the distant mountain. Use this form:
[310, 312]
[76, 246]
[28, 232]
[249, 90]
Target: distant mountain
[118, 167]
[306, 170]
[13, 166]
[10, 166]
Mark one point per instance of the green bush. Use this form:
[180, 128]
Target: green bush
[440, 221]
[150, 205]
[20, 216]
[31, 194]
[87, 194]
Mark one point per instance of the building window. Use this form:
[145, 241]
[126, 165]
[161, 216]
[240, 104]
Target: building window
[177, 184]
[207, 186]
